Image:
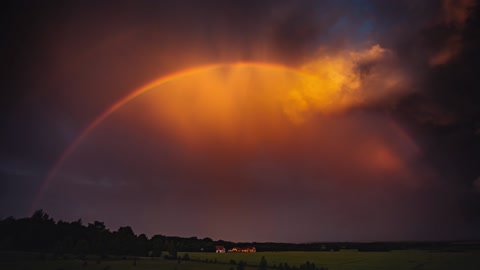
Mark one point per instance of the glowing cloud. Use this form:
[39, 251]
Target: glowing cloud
[347, 79]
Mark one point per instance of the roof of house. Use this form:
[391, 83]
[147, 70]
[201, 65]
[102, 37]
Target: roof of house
[219, 247]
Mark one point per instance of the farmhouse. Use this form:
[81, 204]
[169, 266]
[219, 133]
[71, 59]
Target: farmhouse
[243, 250]
[219, 249]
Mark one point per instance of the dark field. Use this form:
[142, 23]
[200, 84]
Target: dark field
[342, 260]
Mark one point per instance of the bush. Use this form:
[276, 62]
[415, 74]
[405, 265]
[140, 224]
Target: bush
[241, 265]
[263, 264]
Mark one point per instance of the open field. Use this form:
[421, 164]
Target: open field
[112, 265]
[343, 260]
[353, 260]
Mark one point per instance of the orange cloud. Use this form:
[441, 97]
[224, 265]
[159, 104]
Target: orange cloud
[450, 50]
[350, 78]
[240, 99]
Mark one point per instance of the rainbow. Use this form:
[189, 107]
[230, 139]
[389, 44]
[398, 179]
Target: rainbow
[136, 93]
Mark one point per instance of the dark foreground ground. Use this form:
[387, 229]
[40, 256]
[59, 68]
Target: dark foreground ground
[341, 260]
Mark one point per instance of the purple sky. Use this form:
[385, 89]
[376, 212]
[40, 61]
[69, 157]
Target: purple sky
[383, 145]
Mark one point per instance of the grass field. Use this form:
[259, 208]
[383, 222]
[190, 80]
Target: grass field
[112, 265]
[353, 260]
[343, 260]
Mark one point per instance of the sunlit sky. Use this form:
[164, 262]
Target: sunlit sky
[293, 121]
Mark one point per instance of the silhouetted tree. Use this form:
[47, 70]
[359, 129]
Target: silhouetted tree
[157, 244]
[172, 250]
[81, 248]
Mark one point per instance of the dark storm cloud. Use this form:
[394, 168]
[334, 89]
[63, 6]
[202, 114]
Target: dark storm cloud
[64, 63]
[445, 112]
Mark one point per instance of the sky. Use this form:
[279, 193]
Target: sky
[287, 121]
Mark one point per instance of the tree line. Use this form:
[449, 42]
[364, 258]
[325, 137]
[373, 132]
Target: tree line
[41, 233]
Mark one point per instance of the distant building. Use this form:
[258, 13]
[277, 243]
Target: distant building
[243, 250]
[249, 249]
[219, 249]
